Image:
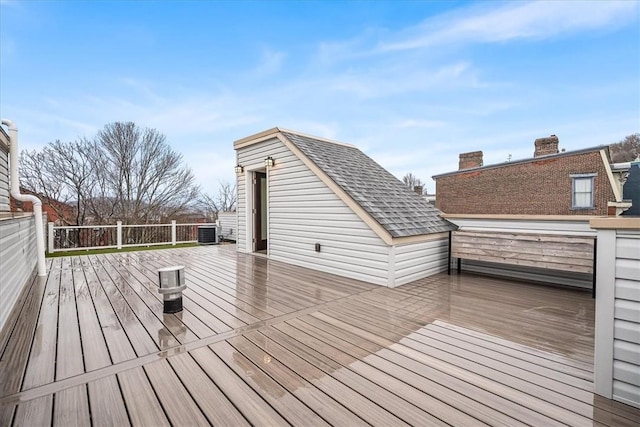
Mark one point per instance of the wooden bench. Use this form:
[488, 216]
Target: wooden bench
[546, 251]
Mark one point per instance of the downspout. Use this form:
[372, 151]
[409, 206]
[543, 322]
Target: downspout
[15, 193]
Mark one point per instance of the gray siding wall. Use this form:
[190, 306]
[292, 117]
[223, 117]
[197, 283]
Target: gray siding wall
[4, 178]
[418, 260]
[303, 211]
[626, 335]
[562, 227]
[17, 260]
[228, 225]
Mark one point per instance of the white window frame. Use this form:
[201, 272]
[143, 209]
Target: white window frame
[582, 177]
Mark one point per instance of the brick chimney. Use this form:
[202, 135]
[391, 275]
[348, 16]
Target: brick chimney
[470, 160]
[546, 146]
[418, 189]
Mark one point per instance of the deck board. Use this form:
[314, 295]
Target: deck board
[106, 403]
[454, 391]
[42, 358]
[286, 404]
[141, 402]
[140, 338]
[319, 368]
[252, 406]
[94, 346]
[218, 409]
[36, 412]
[260, 342]
[69, 358]
[322, 404]
[71, 407]
[496, 382]
[118, 344]
[187, 328]
[173, 396]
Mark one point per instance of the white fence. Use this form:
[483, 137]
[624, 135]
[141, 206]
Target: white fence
[84, 237]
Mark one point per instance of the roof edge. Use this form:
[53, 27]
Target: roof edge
[319, 138]
[522, 161]
[255, 138]
[273, 132]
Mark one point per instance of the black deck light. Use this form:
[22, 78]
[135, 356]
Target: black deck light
[239, 169]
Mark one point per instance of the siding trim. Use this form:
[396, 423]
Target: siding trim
[605, 300]
[392, 267]
[616, 190]
[581, 218]
[616, 223]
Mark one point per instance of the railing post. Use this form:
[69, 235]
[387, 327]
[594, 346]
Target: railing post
[119, 234]
[173, 232]
[50, 237]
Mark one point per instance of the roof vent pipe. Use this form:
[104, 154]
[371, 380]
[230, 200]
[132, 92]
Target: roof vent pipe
[15, 193]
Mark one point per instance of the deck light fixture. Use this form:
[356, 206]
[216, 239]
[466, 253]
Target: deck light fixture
[238, 169]
[268, 162]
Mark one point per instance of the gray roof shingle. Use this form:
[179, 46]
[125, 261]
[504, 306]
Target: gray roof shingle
[392, 204]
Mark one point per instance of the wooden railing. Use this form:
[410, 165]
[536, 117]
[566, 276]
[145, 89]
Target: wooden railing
[118, 236]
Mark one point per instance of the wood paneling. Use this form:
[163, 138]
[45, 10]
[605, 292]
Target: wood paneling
[546, 251]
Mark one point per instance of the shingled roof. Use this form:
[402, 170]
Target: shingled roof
[385, 198]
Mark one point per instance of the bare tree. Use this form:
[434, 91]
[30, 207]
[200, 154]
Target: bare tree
[144, 177]
[412, 181]
[224, 201]
[626, 150]
[125, 173]
[64, 174]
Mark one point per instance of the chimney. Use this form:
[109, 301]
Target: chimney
[546, 146]
[470, 160]
[418, 189]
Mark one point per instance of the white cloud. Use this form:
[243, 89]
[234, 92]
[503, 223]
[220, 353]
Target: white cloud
[271, 63]
[377, 82]
[420, 123]
[515, 20]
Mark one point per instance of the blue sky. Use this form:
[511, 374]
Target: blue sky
[411, 83]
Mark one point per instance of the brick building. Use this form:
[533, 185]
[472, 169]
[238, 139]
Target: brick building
[551, 183]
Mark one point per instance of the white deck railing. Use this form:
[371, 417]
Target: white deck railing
[84, 237]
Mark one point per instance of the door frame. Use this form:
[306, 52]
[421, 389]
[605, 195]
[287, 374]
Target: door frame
[260, 216]
[249, 174]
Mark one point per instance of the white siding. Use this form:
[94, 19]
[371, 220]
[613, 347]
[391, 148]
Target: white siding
[418, 260]
[228, 225]
[303, 211]
[626, 335]
[4, 179]
[578, 227]
[17, 260]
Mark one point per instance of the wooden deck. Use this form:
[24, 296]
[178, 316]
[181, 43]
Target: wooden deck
[265, 343]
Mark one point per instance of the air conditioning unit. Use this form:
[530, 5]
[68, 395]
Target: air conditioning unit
[208, 235]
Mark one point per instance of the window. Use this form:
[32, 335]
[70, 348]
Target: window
[582, 191]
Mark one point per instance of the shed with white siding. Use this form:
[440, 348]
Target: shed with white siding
[326, 205]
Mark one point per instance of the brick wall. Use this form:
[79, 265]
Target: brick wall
[538, 187]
